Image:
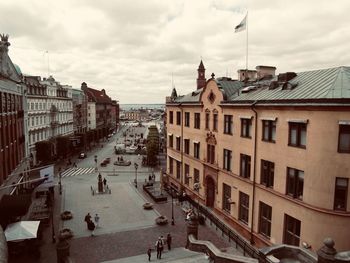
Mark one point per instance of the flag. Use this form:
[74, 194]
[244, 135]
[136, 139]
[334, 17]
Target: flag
[241, 26]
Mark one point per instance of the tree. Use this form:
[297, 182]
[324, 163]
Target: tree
[63, 146]
[152, 145]
[44, 151]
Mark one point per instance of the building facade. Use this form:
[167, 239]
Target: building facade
[99, 109]
[79, 111]
[270, 156]
[12, 126]
[38, 118]
[59, 108]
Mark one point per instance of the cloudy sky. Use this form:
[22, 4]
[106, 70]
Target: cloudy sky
[132, 48]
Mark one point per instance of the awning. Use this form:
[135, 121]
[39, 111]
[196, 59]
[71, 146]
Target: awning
[15, 205]
[22, 230]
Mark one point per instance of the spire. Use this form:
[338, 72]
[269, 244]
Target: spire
[201, 66]
[173, 94]
[201, 80]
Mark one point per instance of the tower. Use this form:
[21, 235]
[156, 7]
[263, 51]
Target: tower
[201, 80]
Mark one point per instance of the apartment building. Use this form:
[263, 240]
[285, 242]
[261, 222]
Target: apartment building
[270, 155]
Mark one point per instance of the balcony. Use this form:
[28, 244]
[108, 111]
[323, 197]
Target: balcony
[54, 123]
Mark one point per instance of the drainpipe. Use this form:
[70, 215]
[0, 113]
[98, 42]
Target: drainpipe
[254, 170]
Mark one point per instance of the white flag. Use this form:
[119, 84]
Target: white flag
[242, 26]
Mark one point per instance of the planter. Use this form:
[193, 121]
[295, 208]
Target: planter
[66, 215]
[147, 206]
[162, 220]
[65, 233]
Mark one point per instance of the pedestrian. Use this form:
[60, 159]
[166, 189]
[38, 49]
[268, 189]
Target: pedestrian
[104, 182]
[149, 253]
[159, 247]
[149, 177]
[87, 220]
[168, 241]
[97, 219]
[91, 227]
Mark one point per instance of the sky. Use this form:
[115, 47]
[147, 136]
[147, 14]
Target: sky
[138, 49]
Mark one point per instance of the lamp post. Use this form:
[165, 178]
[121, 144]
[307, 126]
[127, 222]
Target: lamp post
[136, 166]
[172, 207]
[60, 180]
[196, 187]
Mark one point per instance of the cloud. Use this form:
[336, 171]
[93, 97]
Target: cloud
[132, 48]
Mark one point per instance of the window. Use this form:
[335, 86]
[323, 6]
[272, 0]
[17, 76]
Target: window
[297, 134]
[197, 120]
[344, 139]
[291, 231]
[245, 166]
[341, 193]
[226, 197]
[187, 146]
[267, 173]
[196, 177]
[171, 141]
[187, 174]
[196, 148]
[171, 117]
[187, 119]
[178, 169]
[269, 131]
[295, 183]
[228, 124]
[243, 213]
[265, 215]
[210, 153]
[178, 118]
[215, 122]
[246, 128]
[227, 159]
[207, 120]
[178, 143]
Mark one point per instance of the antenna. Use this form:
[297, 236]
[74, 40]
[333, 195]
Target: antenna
[48, 63]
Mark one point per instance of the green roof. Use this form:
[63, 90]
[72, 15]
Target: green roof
[332, 83]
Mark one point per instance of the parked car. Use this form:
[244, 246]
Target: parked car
[107, 160]
[103, 163]
[82, 155]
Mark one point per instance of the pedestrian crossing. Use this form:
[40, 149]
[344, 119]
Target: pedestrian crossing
[77, 171]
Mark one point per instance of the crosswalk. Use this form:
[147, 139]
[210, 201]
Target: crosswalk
[77, 171]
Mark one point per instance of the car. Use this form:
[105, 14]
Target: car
[104, 163]
[82, 155]
[107, 160]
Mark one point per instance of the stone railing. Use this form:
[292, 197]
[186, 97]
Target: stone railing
[215, 253]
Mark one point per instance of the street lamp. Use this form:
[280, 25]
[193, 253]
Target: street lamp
[95, 162]
[172, 207]
[136, 166]
[60, 180]
[196, 187]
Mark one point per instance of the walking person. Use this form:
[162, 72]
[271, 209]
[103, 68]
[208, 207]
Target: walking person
[149, 253]
[87, 220]
[159, 247]
[168, 241]
[91, 227]
[104, 182]
[97, 219]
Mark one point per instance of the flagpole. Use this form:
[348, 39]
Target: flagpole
[246, 56]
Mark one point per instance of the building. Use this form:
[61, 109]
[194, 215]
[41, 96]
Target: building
[12, 112]
[99, 109]
[270, 156]
[79, 111]
[59, 108]
[115, 114]
[38, 117]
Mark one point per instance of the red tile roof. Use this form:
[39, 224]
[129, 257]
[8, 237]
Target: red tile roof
[98, 96]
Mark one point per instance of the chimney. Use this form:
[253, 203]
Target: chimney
[265, 71]
[103, 91]
[284, 77]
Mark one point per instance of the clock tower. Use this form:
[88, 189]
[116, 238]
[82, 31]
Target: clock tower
[201, 80]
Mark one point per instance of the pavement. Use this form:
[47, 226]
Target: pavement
[126, 230]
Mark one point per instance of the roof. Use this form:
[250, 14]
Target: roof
[332, 83]
[228, 87]
[98, 96]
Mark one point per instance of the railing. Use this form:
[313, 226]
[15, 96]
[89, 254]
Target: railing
[232, 235]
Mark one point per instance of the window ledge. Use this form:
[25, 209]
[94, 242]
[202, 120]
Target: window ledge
[297, 146]
[268, 141]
